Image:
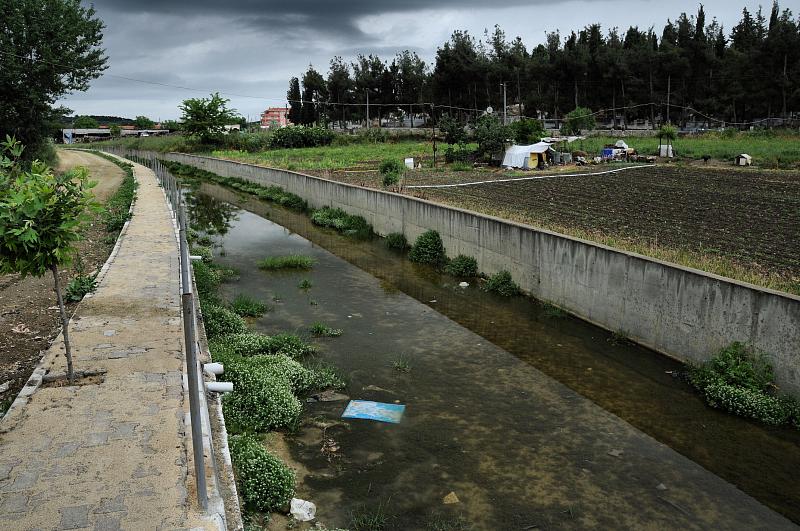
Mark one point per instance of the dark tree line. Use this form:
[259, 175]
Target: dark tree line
[690, 70]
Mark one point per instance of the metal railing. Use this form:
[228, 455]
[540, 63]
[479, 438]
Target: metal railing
[174, 194]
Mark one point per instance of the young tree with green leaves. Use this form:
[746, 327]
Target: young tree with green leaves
[41, 218]
[143, 122]
[85, 122]
[206, 118]
[578, 120]
[47, 50]
[115, 130]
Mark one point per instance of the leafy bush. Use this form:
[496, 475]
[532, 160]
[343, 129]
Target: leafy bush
[738, 365]
[203, 252]
[290, 261]
[79, 286]
[298, 136]
[392, 170]
[462, 266]
[428, 249]
[502, 284]
[578, 119]
[373, 136]
[390, 166]
[247, 306]
[452, 129]
[340, 220]
[490, 135]
[739, 379]
[527, 131]
[265, 483]
[220, 321]
[323, 330]
[396, 240]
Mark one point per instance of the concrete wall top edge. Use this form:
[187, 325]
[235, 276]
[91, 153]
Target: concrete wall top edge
[636, 256]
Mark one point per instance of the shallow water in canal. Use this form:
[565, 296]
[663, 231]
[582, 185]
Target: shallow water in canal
[520, 450]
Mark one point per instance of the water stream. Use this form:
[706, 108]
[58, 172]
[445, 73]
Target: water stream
[478, 415]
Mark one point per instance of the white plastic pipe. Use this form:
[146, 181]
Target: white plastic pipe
[220, 387]
[195, 257]
[213, 368]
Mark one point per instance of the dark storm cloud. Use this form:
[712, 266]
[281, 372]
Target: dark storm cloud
[253, 47]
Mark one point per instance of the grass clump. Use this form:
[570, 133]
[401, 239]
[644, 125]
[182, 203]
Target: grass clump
[291, 261]
[740, 379]
[552, 311]
[207, 279]
[338, 219]
[265, 483]
[366, 519]
[396, 240]
[79, 286]
[401, 365]
[502, 284]
[305, 284]
[322, 330]
[220, 321]
[247, 306]
[428, 249]
[462, 266]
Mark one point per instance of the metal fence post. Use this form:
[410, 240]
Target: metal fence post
[187, 300]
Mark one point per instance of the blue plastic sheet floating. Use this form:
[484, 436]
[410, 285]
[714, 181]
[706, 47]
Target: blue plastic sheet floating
[365, 409]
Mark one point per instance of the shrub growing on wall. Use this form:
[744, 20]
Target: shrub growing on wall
[502, 284]
[739, 379]
[428, 249]
[462, 266]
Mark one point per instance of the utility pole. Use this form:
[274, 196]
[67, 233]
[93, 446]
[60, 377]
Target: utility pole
[505, 105]
[669, 89]
[367, 108]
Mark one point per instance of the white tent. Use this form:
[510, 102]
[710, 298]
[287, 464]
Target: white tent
[520, 156]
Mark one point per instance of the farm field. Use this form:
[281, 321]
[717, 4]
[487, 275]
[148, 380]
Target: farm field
[740, 224]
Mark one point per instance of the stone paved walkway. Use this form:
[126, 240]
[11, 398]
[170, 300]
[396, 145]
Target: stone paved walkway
[111, 455]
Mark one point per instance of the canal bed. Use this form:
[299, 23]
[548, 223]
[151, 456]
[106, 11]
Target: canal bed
[515, 447]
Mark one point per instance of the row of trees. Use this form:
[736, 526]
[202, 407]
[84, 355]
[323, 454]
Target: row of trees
[750, 72]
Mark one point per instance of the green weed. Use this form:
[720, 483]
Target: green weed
[247, 306]
[292, 261]
[323, 330]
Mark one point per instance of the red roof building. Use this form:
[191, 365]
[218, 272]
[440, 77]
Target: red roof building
[275, 117]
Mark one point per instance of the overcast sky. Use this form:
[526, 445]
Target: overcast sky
[248, 49]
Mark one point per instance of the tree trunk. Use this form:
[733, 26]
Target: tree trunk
[64, 325]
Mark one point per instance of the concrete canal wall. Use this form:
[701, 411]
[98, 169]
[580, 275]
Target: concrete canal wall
[684, 313]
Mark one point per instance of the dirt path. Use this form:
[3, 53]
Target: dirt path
[107, 174]
[28, 316]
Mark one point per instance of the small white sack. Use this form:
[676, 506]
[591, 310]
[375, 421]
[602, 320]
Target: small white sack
[303, 510]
